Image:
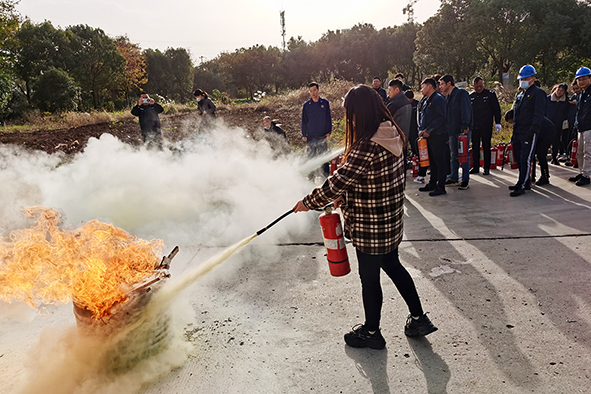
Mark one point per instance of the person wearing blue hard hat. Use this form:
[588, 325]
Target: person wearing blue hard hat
[529, 109]
[583, 125]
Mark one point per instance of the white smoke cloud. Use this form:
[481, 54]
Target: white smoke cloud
[213, 189]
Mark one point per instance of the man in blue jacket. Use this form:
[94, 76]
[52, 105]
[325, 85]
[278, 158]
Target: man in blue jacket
[316, 122]
[583, 125]
[529, 107]
[459, 121]
[432, 127]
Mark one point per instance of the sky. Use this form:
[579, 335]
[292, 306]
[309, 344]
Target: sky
[207, 28]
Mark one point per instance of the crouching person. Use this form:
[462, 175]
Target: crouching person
[369, 188]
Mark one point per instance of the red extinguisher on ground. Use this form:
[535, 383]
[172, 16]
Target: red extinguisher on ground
[500, 154]
[493, 158]
[510, 157]
[334, 241]
[463, 148]
[481, 156]
[423, 152]
[415, 167]
[573, 152]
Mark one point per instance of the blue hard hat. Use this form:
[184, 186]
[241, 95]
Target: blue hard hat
[582, 72]
[526, 71]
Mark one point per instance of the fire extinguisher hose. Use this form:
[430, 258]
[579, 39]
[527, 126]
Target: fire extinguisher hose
[275, 222]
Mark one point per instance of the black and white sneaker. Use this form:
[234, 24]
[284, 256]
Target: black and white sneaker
[360, 337]
[418, 327]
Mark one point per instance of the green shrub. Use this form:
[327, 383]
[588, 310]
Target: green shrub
[55, 91]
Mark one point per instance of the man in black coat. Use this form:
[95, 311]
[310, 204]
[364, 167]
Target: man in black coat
[529, 109]
[147, 111]
[377, 85]
[485, 109]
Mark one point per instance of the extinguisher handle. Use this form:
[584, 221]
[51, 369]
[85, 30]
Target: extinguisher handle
[275, 222]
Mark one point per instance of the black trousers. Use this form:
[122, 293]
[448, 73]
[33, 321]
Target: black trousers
[542, 146]
[371, 288]
[438, 145]
[481, 134]
[523, 150]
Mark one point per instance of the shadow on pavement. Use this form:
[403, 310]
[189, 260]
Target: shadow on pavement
[436, 370]
[372, 365]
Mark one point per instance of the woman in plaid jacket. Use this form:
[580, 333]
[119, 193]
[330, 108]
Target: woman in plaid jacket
[369, 189]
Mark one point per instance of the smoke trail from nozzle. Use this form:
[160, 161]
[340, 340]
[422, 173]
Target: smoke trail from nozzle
[213, 189]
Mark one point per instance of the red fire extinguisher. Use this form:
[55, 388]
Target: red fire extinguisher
[463, 148]
[423, 152]
[510, 157]
[415, 167]
[481, 156]
[573, 153]
[500, 152]
[493, 158]
[335, 164]
[334, 241]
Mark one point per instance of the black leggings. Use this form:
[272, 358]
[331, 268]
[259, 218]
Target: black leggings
[369, 272]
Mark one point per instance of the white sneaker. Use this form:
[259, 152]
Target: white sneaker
[419, 179]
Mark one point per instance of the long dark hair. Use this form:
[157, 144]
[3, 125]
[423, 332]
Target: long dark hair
[364, 111]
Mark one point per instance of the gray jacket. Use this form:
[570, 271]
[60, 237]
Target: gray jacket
[401, 111]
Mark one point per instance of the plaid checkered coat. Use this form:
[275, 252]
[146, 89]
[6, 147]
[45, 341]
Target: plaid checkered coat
[372, 182]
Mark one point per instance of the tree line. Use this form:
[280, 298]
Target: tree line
[81, 67]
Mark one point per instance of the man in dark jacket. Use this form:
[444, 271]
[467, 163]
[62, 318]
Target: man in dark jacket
[399, 106]
[583, 125]
[458, 121]
[486, 109]
[147, 111]
[529, 107]
[557, 111]
[316, 122]
[544, 140]
[400, 77]
[413, 134]
[377, 85]
[432, 127]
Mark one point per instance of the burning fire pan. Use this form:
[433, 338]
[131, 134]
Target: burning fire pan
[139, 340]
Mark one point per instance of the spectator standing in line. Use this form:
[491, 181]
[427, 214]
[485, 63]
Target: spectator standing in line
[529, 109]
[432, 127]
[316, 123]
[557, 112]
[545, 138]
[583, 125]
[399, 106]
[377, 85]
[572, 112]
[205, 106]
[400, 77]
[413, 132]
[147, 111]
[486, 110]
[371, 180]
[422, 170]
[458, 121]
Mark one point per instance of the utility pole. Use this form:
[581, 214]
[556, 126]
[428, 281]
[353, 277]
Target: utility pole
[282, 21]
[410, 11]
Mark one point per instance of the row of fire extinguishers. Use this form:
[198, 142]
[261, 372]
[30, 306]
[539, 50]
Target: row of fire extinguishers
[499, 155]
[330, 222]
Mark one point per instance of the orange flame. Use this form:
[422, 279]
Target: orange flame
[95, 264]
